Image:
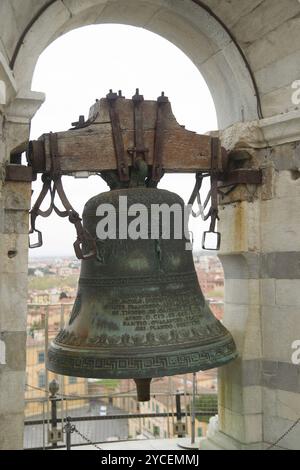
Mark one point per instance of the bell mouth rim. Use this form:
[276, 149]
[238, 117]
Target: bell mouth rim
[138, 366]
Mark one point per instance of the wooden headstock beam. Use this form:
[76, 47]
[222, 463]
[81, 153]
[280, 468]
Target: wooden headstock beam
[89, 147]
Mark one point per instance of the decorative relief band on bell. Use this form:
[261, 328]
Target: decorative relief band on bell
[138, 280]
[172, 337]
[156, 366]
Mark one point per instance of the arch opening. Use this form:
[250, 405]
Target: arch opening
[77, 80]
[186, 24]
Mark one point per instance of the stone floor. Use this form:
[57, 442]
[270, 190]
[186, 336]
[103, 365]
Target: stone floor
[147, 444]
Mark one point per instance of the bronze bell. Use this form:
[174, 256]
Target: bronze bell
[139, 311]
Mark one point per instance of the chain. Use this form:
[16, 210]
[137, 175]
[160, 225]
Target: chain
[285, 434]
[86, 439]
[72, 428]
[212, 213]
[52, 183]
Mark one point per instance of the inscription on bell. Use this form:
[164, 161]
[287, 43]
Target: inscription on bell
[158, 312]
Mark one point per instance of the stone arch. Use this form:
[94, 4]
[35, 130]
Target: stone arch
[186, 24]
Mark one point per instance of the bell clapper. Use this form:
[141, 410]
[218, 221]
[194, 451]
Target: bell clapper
[143, 389]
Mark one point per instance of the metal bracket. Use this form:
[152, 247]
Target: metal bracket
[179, 428]
[82, 123]
[20, 173]
[214, 154]
[39, 242]
[217, 244]
[240, 176]
[55, 435]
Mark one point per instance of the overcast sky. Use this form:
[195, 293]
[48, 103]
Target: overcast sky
[82, 66]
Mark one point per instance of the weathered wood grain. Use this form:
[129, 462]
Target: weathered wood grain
[92, 149]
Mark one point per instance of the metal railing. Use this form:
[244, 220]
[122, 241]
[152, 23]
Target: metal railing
[100, 417]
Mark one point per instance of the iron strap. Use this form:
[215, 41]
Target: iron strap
[157, 168]
[52, 183]
[211, 197]
[36, 211]
[139, 150]
[196, 195]
[117, 137]
[47, 187]
[55, 161]
[83, 236]
[81, 123]
[214, 183]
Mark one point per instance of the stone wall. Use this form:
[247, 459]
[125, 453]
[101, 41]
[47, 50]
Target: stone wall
[16, 111]
[14, 200]
[14, 206]
[259, 394]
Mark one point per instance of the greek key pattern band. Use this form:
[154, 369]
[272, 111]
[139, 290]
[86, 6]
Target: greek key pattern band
[125, 366]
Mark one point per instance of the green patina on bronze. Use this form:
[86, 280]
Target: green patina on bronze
[140, 312]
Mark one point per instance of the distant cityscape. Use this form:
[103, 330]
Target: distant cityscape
[52, 280]
[51, 293]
